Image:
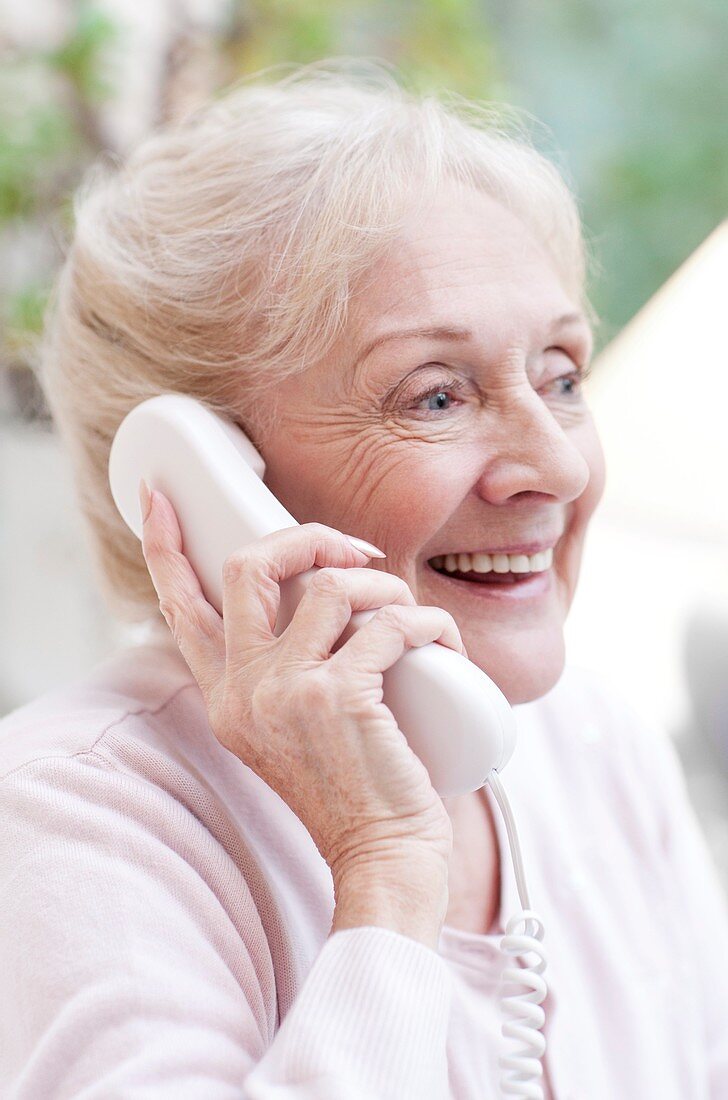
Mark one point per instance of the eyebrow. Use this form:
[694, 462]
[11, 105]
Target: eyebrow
[447, 332]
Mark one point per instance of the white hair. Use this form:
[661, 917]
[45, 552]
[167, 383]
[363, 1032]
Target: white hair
[221, 255]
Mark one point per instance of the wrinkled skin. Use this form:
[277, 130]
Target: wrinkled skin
[512, 456]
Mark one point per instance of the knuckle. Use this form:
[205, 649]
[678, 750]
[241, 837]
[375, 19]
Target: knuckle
[169, 608]
[318, 529]
[406, 591]
[171, 612]
[234, 565]
[450, 621]
[314, 690]
[153, 546]
[323, 535]
[329, 581]
[445, 617]
[392, 614]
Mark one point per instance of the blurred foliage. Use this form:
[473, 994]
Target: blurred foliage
[80, 57]
[24, 315]
[441, 44]
[45, 131]
[48, 134]
[633, 95]
[32, 142]
[637, 92]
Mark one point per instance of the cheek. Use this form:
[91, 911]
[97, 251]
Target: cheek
[418, 498]
[591, 448]
[391, 492]
[583, 507]
[424, 488]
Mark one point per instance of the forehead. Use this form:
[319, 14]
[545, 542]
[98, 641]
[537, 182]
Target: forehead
[465, 258]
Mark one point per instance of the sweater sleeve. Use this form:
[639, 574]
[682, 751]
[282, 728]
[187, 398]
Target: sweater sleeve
[121, 974]
[699, 897]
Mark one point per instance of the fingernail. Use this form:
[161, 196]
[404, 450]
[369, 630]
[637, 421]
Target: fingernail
[366, 547]
[145, 498]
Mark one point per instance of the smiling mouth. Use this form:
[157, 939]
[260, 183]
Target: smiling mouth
[483, 568]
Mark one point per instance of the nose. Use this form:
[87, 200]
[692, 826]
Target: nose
[532, 453]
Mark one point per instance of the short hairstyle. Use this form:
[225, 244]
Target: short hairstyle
[220, 256]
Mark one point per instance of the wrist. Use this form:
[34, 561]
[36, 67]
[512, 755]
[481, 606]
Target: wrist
[410, 900]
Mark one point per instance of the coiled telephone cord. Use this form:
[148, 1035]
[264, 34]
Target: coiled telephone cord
[522, 986]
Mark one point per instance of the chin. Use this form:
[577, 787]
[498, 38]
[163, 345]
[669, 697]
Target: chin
[524, 673]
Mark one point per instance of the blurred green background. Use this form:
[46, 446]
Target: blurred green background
[631, 98]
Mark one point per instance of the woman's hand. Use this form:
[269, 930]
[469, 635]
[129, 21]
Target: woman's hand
[309, 722]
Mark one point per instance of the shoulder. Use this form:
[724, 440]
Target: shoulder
[115, 787]
[107, 757]
[130, 694]
[127, 747]
[128, 752]
[122, 765]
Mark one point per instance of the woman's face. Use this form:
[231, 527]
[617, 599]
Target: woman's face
[449, 419]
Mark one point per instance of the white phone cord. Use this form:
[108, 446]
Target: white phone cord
[522, 987]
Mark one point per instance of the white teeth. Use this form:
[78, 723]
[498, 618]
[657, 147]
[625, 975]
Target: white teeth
[520, 563]
[482, 562]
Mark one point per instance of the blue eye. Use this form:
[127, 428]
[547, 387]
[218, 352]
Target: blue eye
[441, 398]
[573, 382]
[438, 395]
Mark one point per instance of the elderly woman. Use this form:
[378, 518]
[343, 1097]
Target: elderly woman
[224, 872]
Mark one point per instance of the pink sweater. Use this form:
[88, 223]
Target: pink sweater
[165, 918]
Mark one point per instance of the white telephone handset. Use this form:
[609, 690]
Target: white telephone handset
[455, 719]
